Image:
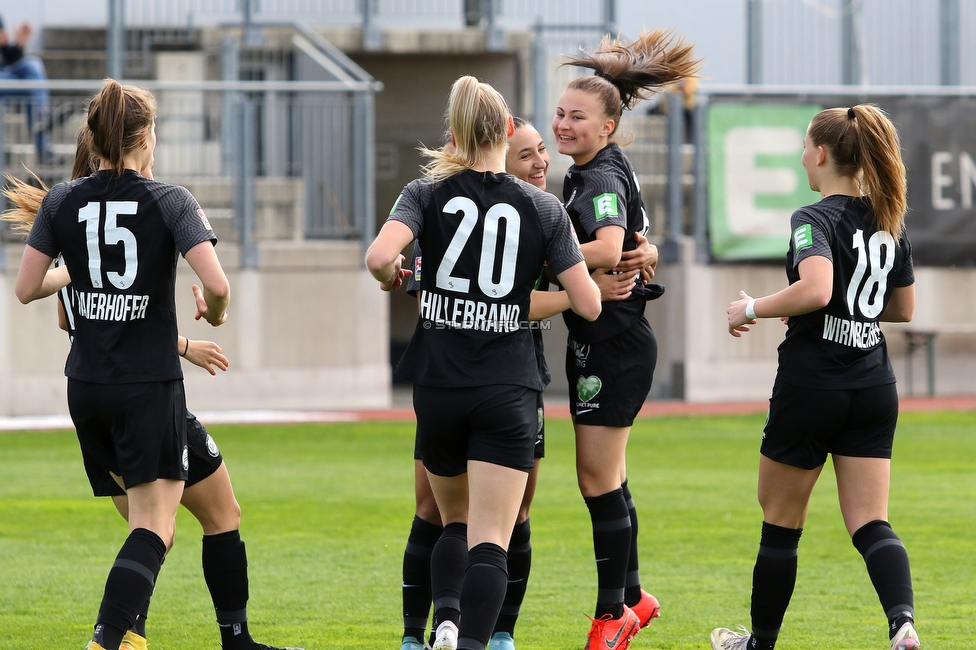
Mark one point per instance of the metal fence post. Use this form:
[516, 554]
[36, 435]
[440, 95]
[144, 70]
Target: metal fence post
[228, 72]
[754, 36]
[116, 36]
[675, 192]
[245, 151]
[950, 26]
[700, 196]
[610, 17]
[364, 165]
[372, 35]
[852, 62]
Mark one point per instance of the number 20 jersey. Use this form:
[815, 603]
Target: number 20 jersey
[485, 238]
[119, 237]
[841, 346]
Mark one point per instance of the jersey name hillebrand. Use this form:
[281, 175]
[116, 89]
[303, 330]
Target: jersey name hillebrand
[458, 313]
[109, 306]
[851, 332]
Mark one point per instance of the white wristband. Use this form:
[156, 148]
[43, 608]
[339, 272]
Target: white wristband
[751, 309]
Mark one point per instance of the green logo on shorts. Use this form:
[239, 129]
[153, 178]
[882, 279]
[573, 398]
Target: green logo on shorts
[605, 205]
[588, 387]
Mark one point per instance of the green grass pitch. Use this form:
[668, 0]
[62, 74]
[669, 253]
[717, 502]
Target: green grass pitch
[327, 508]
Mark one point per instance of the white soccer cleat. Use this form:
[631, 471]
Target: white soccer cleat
[723, 638]
[906, 639]
[446, 637]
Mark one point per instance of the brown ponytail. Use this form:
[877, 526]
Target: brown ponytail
[865, 146]
[117, 117]
[626, 74]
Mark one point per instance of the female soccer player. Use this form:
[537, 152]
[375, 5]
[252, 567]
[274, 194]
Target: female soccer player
[485, 237]
[610, 362]
[528, 160]
[849, 266]
[119, 234]
[208, 493]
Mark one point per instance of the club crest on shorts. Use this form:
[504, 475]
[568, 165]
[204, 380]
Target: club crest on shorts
[186, 458]
[212, 447]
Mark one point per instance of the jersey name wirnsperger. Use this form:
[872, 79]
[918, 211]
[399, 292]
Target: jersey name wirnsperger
[120, 238]
[841, 345]
[605, 192]
[485, 238]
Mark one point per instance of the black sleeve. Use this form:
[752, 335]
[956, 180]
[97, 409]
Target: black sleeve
[906, 275]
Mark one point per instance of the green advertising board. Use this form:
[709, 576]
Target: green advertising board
[756, 180]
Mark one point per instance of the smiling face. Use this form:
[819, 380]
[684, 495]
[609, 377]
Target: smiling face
[527, 156]
[581, 127]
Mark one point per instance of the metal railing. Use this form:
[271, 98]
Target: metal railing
[266, 160]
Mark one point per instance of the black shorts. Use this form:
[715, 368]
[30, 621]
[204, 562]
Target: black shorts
[540, 438]
[806, 424]
[205, 459]
[495, 424]
[137, 431]
[609, 380]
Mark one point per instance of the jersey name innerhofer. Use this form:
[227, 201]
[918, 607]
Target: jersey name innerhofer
[460, 313]
[93, 305]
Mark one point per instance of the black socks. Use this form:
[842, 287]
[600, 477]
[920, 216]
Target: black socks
[611, 546]
[416, 576]
[519, 565]
[225, 571]
[889, 570]
[129, 585]
[773, 580]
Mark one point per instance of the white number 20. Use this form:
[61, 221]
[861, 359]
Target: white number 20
[879, 255]
[489, 243]
[114, 234]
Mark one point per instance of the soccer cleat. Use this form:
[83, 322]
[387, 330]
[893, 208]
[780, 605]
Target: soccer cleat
[411, 643]
[612, 633]
[132, 641]
[447, 637]
[725, 639]
[906, 639]
[93, 645]
[501, 641]
[261, 646]
[647, 608]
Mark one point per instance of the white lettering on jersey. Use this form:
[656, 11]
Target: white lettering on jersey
[459, 313]
[108, 307]
[852, 333]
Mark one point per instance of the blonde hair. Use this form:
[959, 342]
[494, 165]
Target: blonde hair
[117, 117]
[624, 74]
[27, 198]
[478, 118]
[864, 145]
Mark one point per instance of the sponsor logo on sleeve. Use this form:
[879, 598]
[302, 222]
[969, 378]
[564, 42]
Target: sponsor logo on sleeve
[605, 205]
[203, 218]
[802, 237]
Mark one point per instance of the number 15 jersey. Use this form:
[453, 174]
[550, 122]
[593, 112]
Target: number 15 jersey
[119, 237]
[841, 346]
[485, 239]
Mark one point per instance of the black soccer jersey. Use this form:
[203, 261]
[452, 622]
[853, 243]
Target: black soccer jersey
[485, 238]
[119, 238]
[542, 284]
[841, 346]
[605, 192]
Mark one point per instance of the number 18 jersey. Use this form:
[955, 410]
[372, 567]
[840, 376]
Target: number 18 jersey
[120, 238]
[485, 238]
[841, 346]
